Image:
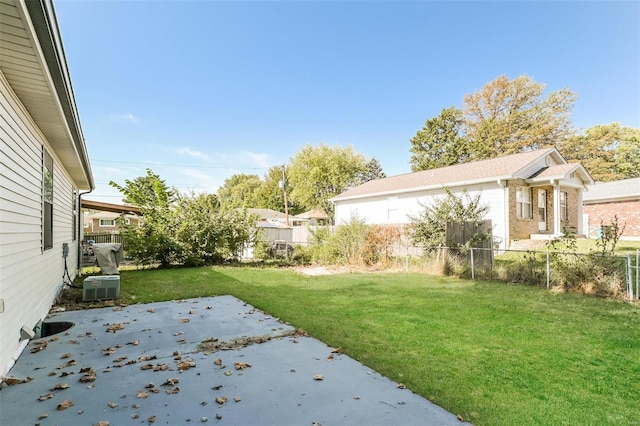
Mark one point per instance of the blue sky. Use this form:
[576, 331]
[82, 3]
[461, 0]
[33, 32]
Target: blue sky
[200, 90]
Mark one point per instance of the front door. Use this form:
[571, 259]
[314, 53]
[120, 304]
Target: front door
[542, 210]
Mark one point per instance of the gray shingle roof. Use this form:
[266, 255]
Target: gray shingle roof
[618, 189]
[460, 174]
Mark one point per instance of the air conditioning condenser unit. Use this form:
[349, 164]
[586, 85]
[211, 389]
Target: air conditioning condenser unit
[101, 287]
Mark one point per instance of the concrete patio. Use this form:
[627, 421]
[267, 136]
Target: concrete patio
[210, 360]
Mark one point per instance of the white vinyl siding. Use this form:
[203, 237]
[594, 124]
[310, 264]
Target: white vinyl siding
[523, 203]
[31, 278]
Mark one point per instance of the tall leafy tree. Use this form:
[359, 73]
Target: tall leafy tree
[440, 142]
[146, 192]
[239, 191]
[510, 116]
[270, 194]
[609, 152]
[318, 173]
[372, 171]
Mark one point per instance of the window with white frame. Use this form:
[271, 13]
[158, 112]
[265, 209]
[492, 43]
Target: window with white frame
[106, 223]
[523, 203]
[564, 210]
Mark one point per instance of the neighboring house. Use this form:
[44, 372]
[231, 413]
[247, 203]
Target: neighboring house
[44, 168]
[535, 194]
[605, 200]
[106, 222]
[311, 218]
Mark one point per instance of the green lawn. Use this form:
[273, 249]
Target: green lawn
[493, 353]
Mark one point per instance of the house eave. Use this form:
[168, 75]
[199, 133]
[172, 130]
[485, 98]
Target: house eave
[424, 188]
[53, 109]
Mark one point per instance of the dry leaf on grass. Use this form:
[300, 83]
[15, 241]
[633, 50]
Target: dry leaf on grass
[64, 405]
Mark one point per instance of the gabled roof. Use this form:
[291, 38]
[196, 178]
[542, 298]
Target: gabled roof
[561, 172]
[312, 214]
[265, 214]
[509, 167]
[626, 189]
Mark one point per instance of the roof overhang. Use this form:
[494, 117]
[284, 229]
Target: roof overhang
[108, 207]
[33, 62]
[564, 177]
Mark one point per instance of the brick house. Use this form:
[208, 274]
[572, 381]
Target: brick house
[106, 222]
[604, 200]
[531, 195]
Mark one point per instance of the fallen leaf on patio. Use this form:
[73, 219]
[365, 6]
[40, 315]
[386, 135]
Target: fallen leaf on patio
[218, 416]
[73, 342]
[68, 364]
[209, 307]
[64, 405]
[181, 340]
[330, 357]
[184, 320]
[60, 386]
[134, 343]
[318, 377]
[135, 416]
[88, 378]
[316, 424]
[160, 367]
[460, 418]
[65, 373]
[146, 367]
[210, 340]
[191, 312]
[237, 399]
[45, 396]
[221, 399]
[204, 419]
[43, 416]
[185, 365]
[102, 423]
[147, 358]
[53, 339]
[217, 387]
[64, 356]
[87, 370]
[295, 341]
[52, 373]
[154, 390]
[106, 370]
[112, 404]
[120, 359]
[117, 309]
[177, 358]
[217, 362]
[118, 365]
[177, 333]
[241, 365]
[40, 346]
[109, 351]
[133, 361]
[114, 327]
[151, 310]
[356, 396]
[171, 382]
[336, 350]
[16, 381]
[228, 373]
[172, 391]
[151, 419]
[150, 385]
[401, 386]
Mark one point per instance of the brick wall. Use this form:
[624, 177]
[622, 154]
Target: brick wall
[628, 215]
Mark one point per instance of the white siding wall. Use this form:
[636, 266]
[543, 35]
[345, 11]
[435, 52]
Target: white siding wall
[375, 210]
[29, 277]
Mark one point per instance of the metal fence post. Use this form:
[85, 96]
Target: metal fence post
[473, 271]
[548, 270]
[629, 282]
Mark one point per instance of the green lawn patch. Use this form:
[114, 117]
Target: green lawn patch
[494, 353]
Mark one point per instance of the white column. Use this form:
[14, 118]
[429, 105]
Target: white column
[557, 227]
[580, 213]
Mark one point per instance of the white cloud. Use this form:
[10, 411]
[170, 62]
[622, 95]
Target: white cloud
[127, 117]
[256, 159]
[196, 154]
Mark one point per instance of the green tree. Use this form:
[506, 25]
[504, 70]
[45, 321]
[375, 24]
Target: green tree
[429, 227]
[609, 152]
[270, 194]
[319, 173]
[511, 116]
[440, 142]
[239, 191]
[372, 171]
[146, 192]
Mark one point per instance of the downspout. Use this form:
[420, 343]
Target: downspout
[505, 202]
[80, 236]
